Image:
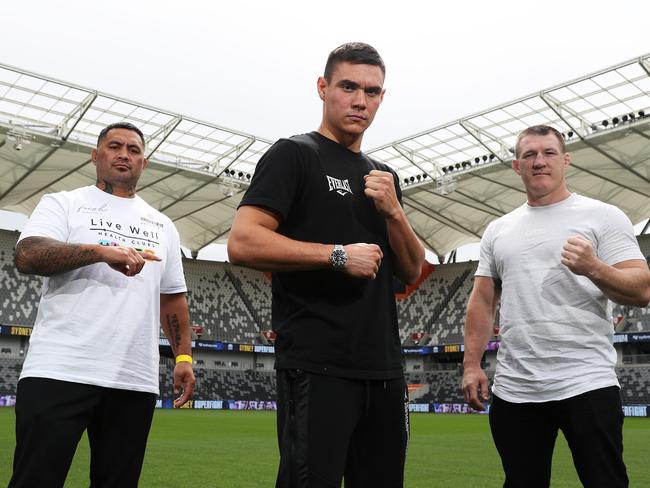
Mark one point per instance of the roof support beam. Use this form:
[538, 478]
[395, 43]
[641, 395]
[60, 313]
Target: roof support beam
[438, 217]
[82, 108]
[561, 109]
[28, 172]
[53, 182]
[479, 134]
[165, 131]
[238, 150]
[645, 65]
[214, 202]
[408, 155]
[492, 211]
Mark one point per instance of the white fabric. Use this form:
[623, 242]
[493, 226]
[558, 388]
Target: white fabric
[94, 324]
[556, 332]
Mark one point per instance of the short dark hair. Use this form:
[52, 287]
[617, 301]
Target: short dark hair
[120, 125]
[353, 53]
[540, 130]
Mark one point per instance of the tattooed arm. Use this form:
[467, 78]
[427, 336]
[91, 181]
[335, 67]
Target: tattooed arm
[175, 322]
[46, 257]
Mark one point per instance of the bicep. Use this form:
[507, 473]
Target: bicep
[250, 216]
[171, 301]
[485, 293]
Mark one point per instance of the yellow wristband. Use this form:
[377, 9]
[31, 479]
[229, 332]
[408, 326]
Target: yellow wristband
[183, 358]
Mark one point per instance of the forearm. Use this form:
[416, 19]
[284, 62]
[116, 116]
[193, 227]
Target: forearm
[175, 322]
[479, 325]
[46, 257]
[625, 286]
[407, 250]
[266, 250]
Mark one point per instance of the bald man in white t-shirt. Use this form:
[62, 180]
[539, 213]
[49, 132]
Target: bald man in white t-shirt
[553, 263]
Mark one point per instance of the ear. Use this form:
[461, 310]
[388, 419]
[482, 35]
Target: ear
[515, 166]
[383, 92]
[321, 86]
[93, 156]
[567, 160]
[146, 162]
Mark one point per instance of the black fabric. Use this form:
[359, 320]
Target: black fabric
[592, 423]
[52, 415]
[327, 322]
[332, 428]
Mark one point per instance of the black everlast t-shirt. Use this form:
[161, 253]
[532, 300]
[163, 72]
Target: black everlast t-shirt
[326, 321]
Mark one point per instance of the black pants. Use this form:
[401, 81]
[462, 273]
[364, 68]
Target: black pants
[525, 433]
[332, 428]
[52, 415]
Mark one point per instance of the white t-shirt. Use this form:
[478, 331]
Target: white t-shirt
[556, 335]
[94, 324]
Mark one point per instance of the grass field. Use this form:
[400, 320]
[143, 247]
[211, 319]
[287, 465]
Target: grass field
[221, 449]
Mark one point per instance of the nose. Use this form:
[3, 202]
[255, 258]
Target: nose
[540, 160]
[123, 153]
[359, 100]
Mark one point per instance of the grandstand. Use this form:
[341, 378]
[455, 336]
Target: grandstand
[232, 305]
[455, 180]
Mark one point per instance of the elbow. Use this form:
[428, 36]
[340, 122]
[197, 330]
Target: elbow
[238, 252]
[411, 276]
[644, 300]
[21, 261]
[411, 279]
[235, 254]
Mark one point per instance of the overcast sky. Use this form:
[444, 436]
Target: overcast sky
[253, 65]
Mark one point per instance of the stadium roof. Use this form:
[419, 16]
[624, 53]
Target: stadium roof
[456, 178]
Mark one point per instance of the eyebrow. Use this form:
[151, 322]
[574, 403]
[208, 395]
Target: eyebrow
[356, 86]
[123, 143]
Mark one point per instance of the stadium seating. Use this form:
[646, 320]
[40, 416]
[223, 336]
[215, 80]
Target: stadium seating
[437, 307]
[441, 386]
[635, 384]
[9, 372]
[216, 302]
[221, 384]
[19, 294]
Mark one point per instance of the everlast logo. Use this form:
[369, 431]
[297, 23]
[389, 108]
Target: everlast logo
[342, 187]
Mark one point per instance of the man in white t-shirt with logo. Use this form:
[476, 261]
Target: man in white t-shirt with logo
[553, 263]
[113, 276]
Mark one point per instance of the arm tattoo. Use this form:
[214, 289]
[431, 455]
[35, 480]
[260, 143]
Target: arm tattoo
[174, 326]
[46, 257]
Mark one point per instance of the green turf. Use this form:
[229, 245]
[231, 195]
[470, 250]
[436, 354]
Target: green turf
[216, 449]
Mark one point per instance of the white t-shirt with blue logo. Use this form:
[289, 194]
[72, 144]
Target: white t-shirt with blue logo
[94, 324]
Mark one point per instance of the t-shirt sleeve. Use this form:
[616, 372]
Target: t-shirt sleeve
[616, 241]
[173, 279]
[49, 219]
[277, 178]
[486, 264]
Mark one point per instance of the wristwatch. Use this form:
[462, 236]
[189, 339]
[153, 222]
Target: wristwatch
[339, 257]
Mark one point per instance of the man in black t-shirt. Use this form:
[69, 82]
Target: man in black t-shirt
[328, 221]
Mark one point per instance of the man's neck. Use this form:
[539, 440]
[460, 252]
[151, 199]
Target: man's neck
[118, 191]
[551, 199]
[352, 142]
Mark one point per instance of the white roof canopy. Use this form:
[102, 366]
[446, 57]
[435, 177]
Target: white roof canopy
[455, 178]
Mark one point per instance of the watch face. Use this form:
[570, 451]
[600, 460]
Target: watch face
[338, 258]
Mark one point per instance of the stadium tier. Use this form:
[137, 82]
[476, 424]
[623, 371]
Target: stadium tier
[441, 386]
[233, 305]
